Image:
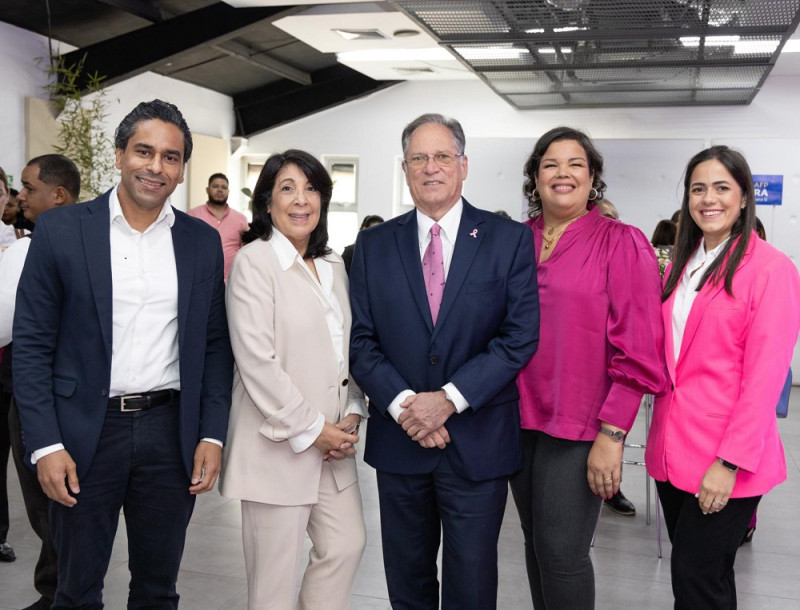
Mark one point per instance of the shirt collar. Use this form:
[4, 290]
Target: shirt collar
[701, 257]
[210, 211]
[286, 252]
[448, 223]
[166, 213]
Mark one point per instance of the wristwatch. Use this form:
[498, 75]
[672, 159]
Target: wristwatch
[617, 435]
[728, 465]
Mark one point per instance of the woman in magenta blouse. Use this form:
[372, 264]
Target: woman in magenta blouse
[731, 315]
[600, 350]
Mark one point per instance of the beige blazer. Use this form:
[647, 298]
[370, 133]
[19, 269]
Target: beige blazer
[286, 374]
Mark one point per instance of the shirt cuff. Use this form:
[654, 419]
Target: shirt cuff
[395, 409]
[456, 397]
[40, 453]
[305, 439]
[357, 406]
[212, 440]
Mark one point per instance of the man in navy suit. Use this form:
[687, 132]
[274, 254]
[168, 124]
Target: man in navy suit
[123, 367]
[444, 427]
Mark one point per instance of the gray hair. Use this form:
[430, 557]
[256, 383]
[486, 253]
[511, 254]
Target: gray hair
[451, 124]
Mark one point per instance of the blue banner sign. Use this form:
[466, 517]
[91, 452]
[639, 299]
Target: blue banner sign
[769, 189]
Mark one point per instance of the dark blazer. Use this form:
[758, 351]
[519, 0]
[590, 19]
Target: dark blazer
[487, 330]
[63, 324]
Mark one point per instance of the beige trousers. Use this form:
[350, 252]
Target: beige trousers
[273, 539]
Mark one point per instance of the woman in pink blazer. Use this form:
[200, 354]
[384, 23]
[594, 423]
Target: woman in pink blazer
[295, 411]
[731, 311]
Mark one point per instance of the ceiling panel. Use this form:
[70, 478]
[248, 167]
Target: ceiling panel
[554, 53]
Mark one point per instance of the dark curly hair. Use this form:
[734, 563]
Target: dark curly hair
[531, 169]
[261, 227]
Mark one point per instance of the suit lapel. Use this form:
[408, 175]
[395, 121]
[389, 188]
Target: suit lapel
[468, 241]
[408, 247]
[96, 238]
[184, 264]
[704, 298]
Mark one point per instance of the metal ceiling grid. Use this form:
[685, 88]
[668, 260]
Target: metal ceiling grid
[556, 53]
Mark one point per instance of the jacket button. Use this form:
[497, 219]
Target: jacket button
[344, 382]
[434, 360]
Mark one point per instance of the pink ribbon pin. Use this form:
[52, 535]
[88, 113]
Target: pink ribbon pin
[474, 233]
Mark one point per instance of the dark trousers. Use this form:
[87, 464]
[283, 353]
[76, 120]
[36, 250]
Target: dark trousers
[415, 511]
[703, 547]
[5, 444]
[37, 507]
[137, 468]
[558, 513]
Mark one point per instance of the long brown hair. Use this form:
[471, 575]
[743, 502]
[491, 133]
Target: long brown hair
[689, 233]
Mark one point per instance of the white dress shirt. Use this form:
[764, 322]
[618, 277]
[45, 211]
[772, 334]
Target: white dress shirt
[448, 233]
[11, 263]
[334, 319]
[686, 291]
[8, 235]
[145, 304]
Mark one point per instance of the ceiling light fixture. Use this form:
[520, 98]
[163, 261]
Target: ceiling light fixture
[552, 51]
[473, 53]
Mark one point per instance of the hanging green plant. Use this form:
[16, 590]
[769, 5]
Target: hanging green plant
[81, 108]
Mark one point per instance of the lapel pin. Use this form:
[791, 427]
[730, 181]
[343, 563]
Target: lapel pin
[474, 233]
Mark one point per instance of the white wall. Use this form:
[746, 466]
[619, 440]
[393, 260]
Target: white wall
[21, 77]
[370, 128]
[206, 111]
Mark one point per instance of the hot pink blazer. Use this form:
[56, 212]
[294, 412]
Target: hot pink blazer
[725, 384]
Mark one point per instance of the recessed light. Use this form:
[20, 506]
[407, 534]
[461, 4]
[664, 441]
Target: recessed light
[405, 33]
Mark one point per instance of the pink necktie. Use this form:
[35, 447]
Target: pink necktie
[433, 270]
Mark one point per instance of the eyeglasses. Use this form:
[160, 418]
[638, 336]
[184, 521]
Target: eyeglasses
[441, 159]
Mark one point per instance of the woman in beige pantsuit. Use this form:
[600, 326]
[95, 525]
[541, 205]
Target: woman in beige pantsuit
[289, 454]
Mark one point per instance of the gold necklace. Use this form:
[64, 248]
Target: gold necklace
[548, 242]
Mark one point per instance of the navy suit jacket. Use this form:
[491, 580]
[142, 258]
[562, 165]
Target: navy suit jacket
[63, 325]
[487, 330]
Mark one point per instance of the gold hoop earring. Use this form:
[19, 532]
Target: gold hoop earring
[596, 194]
[535, 195]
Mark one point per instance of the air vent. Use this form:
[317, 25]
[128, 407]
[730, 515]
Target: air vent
[361, 34]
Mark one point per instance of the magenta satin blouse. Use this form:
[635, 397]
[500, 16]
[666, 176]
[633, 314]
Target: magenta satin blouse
[601, 340]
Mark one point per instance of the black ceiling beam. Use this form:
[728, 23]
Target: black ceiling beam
[141, 8]
[125, 56]
[278, 103]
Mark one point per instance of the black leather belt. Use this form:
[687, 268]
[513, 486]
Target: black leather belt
[141, 402]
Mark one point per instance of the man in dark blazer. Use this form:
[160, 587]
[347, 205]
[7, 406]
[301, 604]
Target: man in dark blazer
[123, 367]
[444, 427]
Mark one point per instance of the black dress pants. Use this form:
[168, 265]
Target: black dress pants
[137, 468]
[703, 548]
[37, 506]
[5, 402]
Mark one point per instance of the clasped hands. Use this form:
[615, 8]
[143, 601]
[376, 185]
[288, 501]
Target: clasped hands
[337, 441]
[423, 418]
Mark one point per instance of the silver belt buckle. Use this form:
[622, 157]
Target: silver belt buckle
[122, 400]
